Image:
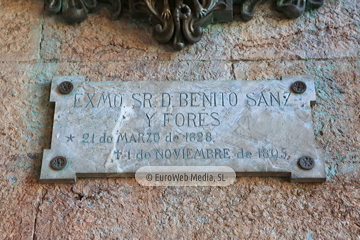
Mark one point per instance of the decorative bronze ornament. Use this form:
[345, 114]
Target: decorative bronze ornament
[178, 21]
[290, 8]
[306, 163]
[298, 87]
[65, 87]
[76, 11]
[58, 163]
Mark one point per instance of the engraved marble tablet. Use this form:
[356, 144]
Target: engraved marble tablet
[111, 129]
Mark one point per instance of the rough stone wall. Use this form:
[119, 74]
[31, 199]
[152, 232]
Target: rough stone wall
[34, 47]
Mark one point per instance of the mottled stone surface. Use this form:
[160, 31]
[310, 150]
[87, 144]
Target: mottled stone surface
[20, 30]
[326, 46]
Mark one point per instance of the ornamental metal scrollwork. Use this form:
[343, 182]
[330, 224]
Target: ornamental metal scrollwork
[76, 11]
[290, 8]
[181, 21]
[178, 21]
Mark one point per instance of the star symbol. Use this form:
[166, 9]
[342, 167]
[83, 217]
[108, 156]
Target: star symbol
[70, 138]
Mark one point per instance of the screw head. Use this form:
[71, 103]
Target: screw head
[298, 87]
[58, 163]
[65, 87]
[306, 162]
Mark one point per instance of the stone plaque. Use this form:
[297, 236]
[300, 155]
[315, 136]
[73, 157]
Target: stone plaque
[111, 129]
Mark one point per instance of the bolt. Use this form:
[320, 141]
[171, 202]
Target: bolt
[65, 87]
[306, 163]
[298, 87]
[58, 163]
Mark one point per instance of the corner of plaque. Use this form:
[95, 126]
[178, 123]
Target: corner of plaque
[50, 175]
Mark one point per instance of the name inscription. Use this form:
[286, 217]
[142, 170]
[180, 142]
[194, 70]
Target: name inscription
[181, 99]
[191, 101]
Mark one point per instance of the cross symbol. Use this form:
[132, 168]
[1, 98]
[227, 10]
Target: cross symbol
[117, 152]
[70, 138]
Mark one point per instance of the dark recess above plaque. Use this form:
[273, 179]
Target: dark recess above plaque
[178, 22]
